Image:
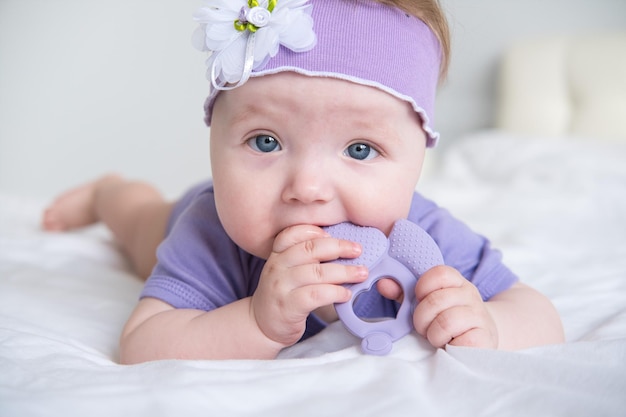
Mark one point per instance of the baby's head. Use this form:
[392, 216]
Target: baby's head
[319, 116]
[398, 46]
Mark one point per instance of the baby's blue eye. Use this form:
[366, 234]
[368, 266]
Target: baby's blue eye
[264, 143]
[361, 151]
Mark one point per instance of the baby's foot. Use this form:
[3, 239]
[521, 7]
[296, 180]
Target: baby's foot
[74, 208]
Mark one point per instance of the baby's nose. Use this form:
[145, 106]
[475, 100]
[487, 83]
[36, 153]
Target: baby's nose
[309, 183]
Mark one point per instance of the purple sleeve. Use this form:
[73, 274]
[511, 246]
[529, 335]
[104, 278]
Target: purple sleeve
[198, 265]
[470, 253]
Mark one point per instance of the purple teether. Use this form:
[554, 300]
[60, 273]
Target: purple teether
[404, 257]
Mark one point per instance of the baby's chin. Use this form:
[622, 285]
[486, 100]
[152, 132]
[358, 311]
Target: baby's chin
[261, 250]
[254, 241]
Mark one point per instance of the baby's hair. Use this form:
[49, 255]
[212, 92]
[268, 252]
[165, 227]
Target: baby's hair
[431, 12]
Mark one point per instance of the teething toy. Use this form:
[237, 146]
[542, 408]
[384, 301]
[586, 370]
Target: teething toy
[404, 257]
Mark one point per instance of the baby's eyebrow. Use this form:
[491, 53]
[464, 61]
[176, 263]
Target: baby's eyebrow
[244, 110]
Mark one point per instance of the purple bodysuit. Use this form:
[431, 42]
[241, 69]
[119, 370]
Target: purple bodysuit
[200, 267]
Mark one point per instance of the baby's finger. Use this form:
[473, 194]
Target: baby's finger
[437, 278]
[294, 235]
[390, 289]
[327, 273]
[319, 250]
[477, 337]
[435, 303]
[312, 297]
[450, 324]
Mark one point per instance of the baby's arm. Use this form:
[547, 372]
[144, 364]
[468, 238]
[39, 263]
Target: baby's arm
[294, 282]
[451, 311]
[525, 318]
[157, 330]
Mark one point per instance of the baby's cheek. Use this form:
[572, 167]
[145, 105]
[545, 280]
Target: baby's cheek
[252, 241]
[383, 212]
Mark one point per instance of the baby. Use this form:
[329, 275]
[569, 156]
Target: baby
[320, 112]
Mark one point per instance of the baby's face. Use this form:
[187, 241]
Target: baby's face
[287, 149]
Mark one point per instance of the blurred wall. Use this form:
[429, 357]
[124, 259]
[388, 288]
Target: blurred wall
[482, 30]
[88, 87]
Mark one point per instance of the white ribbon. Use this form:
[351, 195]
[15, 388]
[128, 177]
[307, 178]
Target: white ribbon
[247, 65]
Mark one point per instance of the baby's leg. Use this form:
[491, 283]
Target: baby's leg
[135, 212]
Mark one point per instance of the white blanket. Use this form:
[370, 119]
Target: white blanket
[557, 209]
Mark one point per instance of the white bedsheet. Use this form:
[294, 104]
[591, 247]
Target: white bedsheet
[557, 209]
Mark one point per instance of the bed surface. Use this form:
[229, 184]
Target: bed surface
[557, 209]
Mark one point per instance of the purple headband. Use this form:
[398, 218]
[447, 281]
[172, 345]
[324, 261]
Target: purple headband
[361, 41]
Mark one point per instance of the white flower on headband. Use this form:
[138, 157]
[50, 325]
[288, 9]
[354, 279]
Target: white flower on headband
[243, 35]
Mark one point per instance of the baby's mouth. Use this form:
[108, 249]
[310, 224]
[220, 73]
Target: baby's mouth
[321, 225]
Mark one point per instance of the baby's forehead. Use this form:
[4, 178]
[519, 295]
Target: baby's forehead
[289, 91]
[299, 105]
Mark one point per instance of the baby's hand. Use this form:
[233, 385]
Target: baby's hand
[295, 280]
[451, 311]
